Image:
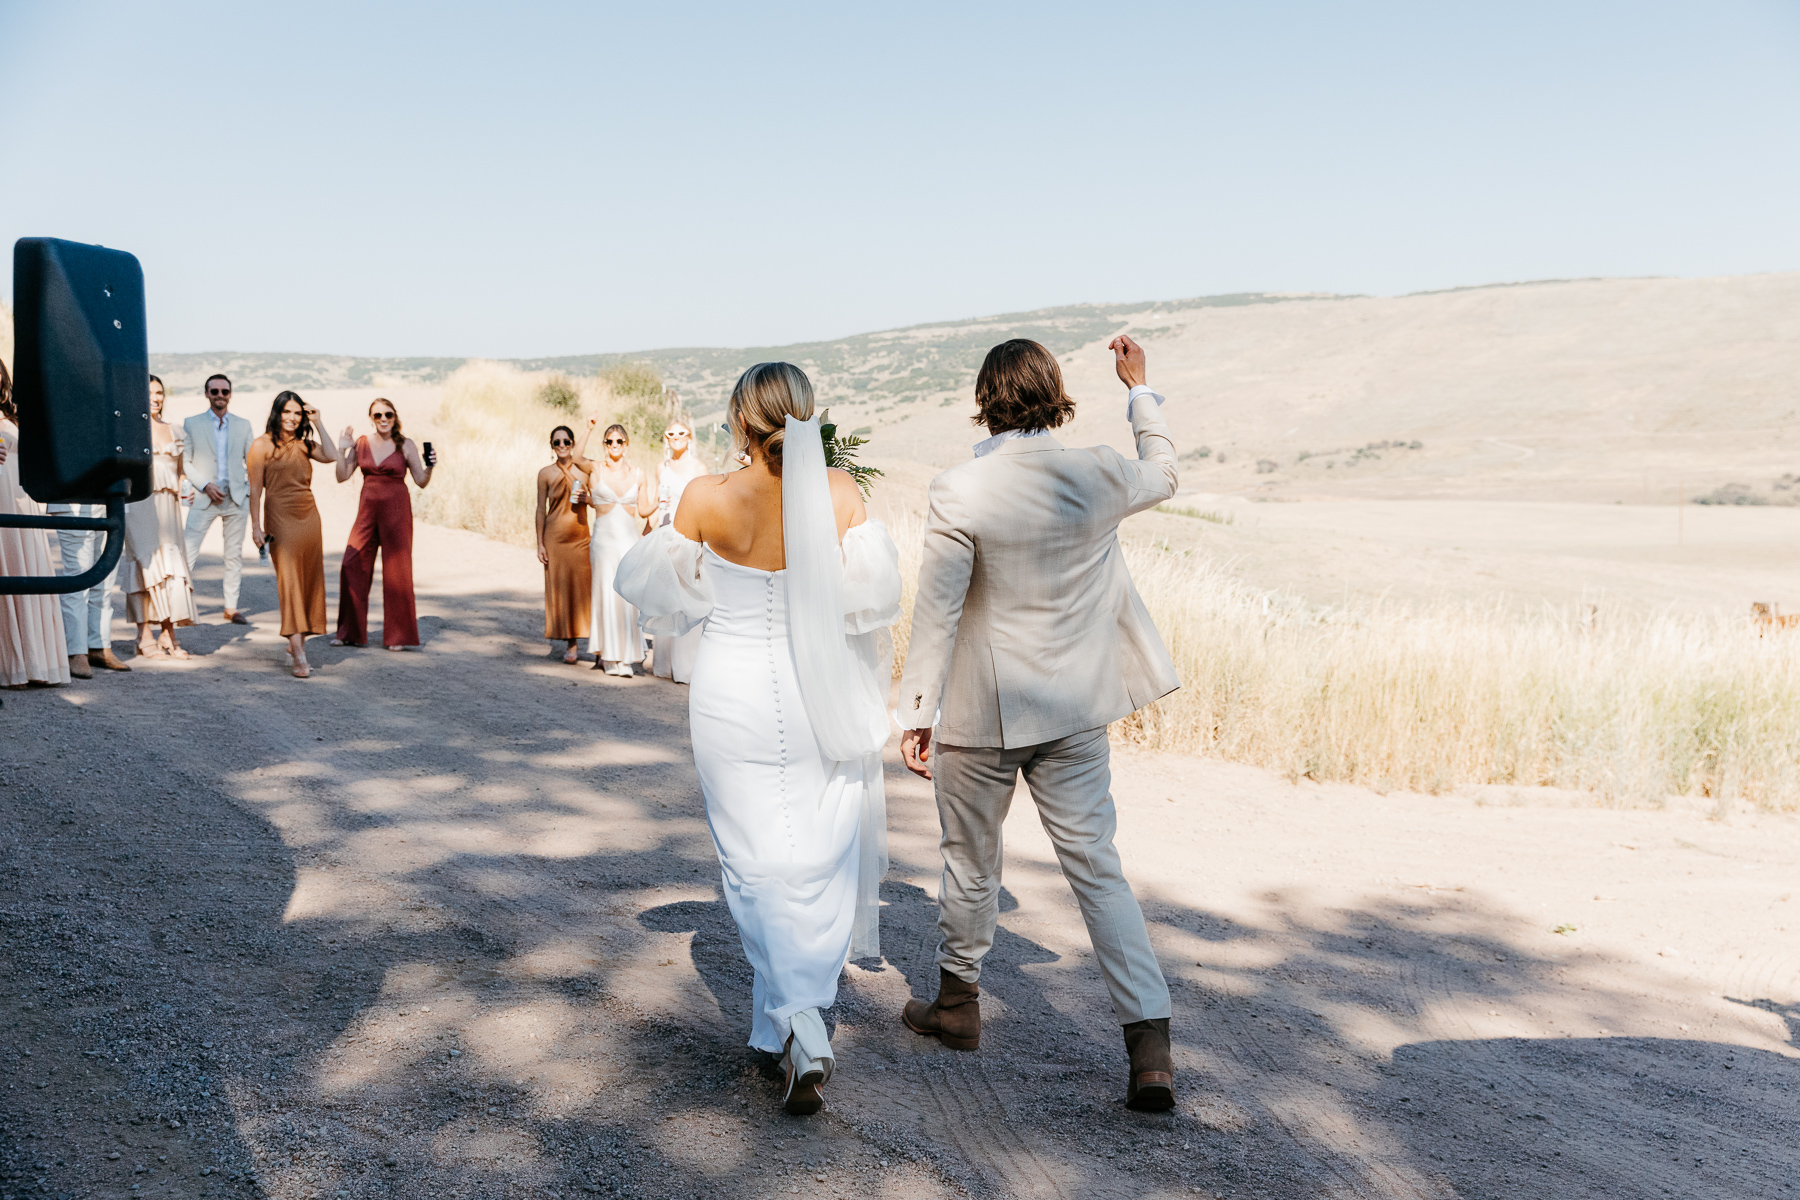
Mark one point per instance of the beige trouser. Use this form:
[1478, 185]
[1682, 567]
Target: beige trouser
[1071, 781]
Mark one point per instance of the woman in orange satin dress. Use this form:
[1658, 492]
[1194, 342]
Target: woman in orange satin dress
[383, 522]
[283, 516]
[562, 538]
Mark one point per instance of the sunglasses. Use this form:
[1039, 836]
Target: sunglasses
[381, 416]
[561, 442]
[218, 391]
[615, 441]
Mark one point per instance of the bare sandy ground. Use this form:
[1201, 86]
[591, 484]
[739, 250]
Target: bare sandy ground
[446, 923]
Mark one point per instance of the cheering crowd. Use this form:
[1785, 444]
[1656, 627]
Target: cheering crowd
[212, 464]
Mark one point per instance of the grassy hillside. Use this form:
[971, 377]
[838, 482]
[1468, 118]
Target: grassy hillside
[873, 371]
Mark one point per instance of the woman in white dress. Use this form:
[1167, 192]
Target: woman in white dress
[681, 465]
[793, 589]
[153, 570]
[31, 627]
[615, 490]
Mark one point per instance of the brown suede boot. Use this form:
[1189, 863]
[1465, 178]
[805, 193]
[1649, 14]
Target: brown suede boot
[106, 658]
[1152, 1087]
[954, 1018]
[79, 666]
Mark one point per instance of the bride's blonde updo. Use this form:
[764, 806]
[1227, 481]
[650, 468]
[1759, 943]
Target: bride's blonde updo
[765, 397]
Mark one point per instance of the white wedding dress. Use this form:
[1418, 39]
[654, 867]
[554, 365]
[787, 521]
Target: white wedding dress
[788, 717]
[613, 634]
[674, 658]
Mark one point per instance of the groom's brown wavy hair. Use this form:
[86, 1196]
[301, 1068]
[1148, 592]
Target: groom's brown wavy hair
[1021, 387]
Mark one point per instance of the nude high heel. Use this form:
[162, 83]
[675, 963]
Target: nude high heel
[809, 1065]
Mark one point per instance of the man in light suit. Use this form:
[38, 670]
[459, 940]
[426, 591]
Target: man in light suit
[1028, 638]
[216, 447]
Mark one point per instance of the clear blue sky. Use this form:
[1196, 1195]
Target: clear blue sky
[530, 179]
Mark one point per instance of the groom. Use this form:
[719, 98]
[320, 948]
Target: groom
[1028, 638]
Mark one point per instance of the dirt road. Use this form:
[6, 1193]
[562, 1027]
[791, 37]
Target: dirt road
[446, 923]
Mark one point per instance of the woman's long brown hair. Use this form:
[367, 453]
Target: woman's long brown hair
[304, 433]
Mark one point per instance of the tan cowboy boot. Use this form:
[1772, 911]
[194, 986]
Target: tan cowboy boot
[106, 658]
[954, 1018]
[1152, 1087]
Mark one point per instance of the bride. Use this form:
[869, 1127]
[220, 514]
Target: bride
[794, 587]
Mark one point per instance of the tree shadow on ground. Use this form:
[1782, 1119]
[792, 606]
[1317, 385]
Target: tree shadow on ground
[476, 852]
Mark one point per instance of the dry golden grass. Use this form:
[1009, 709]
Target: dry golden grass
[494, 423]
[1634, 708]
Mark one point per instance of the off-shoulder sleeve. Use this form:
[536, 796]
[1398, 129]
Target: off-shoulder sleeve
[871, 579]
[663, 577]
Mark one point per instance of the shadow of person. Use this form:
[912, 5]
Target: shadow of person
[1626, 1116]
[718, 953]
[1789, 1014]
[1016, 1011]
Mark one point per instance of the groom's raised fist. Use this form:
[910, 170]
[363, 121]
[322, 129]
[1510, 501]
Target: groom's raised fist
[1128, 360]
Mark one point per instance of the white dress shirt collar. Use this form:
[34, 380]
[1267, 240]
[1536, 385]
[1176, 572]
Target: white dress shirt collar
[988, 446]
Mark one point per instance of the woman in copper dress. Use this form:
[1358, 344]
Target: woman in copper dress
[383, 522]
[283, 516]
[562, 538]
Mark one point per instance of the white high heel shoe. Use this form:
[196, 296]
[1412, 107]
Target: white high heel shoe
[809, 1064]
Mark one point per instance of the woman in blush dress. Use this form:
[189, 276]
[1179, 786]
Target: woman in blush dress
[614, 493]
[681, 465]
[31, 627]
[153, 570]
[284, 517]
[383, 522]
[792, 590]
[562, 542]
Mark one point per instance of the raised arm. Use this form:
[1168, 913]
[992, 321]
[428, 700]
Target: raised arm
[1154, 475]
[415, 462]
[581, 458]
[324, 450]
[346, 459]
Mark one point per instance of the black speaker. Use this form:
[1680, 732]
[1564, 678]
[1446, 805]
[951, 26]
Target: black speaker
[81, 373]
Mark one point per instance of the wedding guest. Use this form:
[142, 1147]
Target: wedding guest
[1028, 640]
[31, 628]
[153, 570]
[562, 544]
[87, 615]
[615, 491]
[681, 465]
[383, 522]
[790, 585]
[215, 449]
[284, 517]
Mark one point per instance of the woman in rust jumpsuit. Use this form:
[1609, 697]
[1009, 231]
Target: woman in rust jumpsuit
[383, 522]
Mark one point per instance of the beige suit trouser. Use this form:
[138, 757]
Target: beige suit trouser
[1071, 781]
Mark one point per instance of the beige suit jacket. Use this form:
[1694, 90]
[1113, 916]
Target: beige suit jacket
[1026, 627]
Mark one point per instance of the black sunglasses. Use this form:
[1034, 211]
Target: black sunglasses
[218, 391]
[381, 416]
[615, 441]
[561, 442]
